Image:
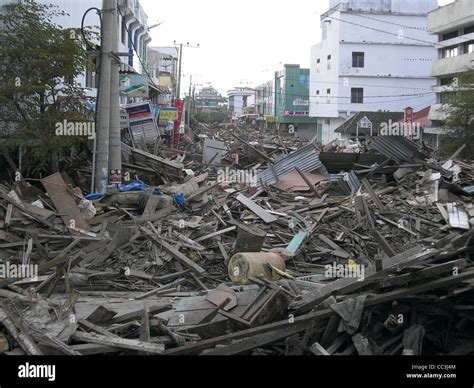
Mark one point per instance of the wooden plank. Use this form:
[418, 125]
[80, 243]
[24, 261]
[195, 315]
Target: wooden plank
[316, 316]
[152, 203]
[318, 350]
[97, 329]
[362, 345]
[372, 194]
[258, 210]
[215, 234]
[443, 211]
[17, 331]
[383, 243]
[8, 216]
[186, 261]
[138, 313]
[119, 342]
[64, 202]
[308, 182]
[89, 349]
[101, 315]
[257, 341]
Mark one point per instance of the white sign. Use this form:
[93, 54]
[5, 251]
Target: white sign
[300, 102]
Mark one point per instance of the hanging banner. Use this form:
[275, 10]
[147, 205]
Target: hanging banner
[409, 123]
[177, 124]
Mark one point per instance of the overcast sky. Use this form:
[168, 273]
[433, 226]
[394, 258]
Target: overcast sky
[241, 42]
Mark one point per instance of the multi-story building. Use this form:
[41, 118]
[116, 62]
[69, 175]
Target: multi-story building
[292, 102]
[208, 99]
[264, 104]
[239, 101]
[163, 67]
[374, 56]
[133, 36]
[454, 26]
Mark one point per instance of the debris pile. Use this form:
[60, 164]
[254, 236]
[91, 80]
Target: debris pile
[243, 244]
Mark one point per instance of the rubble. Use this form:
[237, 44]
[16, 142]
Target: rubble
[322, 253]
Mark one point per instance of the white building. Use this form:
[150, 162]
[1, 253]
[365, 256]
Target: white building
[163, 66]
[132, 18]
[453, 25]
[239, 99]
[375, 55]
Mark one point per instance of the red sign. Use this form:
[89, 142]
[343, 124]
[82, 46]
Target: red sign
[409, 122]
[177, 124]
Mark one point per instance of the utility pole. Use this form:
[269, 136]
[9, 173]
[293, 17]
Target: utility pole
[181, 64]
[178, 96]
[115, 145]
[103, 103]
[189, 100]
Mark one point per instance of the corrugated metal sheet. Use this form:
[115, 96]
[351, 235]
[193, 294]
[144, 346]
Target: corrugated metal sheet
[397, 148]
[349, 184]
[306, 159]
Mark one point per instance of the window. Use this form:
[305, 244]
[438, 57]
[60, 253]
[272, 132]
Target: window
[358, 59]
[447, 81]
[329, 62]
[469, 47]
[124, 31]
[450, 52]
[450, 35]
[357, 96]
[318, 63]
[468, 30]
[328, 92]
[446, 98]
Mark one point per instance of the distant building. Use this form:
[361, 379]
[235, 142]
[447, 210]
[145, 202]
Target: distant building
[264, 104]
[292, 102]
[239, 101]
[208, 99]
[163, 67]
[454, 26]
[374, 56]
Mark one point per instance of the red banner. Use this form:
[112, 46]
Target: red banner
[177, 124]
[409, 123]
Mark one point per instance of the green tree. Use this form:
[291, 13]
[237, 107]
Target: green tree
[461, 117]
[38, 62]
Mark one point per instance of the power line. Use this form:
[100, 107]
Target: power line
[334, 96]
[392, 23]
[401, 25]
[382, 31]
[358, 84]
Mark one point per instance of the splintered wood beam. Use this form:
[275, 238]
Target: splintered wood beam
[317, 316]
[256, 209]
[124, 343]
[186, 261]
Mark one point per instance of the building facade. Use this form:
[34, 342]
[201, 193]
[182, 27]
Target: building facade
[133, 36]
[239, 100]
[208, 99]
[162, 65]
[453, 25]
[264, 104]
[374, 56]
[291, 104]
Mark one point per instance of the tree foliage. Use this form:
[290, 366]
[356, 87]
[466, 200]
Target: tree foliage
[39, 61]
[461, 117]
